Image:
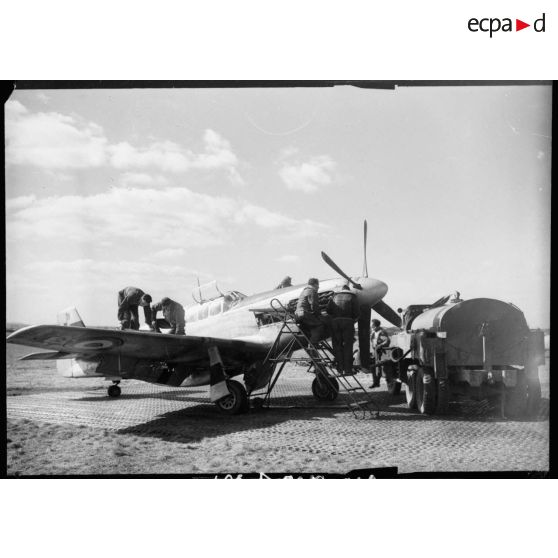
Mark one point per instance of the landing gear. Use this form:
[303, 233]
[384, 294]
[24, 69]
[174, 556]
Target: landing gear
[237, 400]
[114, 390]
[325, 388]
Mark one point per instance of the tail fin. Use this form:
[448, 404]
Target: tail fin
[70, 317]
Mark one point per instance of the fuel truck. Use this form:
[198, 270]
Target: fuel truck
[480, 348]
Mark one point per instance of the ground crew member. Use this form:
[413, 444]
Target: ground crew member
[287, 282]
[129, 299]
[379, 339]
[308, 313]
[344, 309]
[173, 313]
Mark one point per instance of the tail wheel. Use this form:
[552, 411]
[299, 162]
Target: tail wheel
[237, 400]
[114, 391]
[515, 398]
[442, 396]
[533, 395]
[410, 388]
[325, 388]
[425, 392]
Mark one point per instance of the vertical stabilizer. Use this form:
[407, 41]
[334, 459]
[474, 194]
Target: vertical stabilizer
[70, 317]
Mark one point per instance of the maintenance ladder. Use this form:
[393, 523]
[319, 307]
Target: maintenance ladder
[319, 359]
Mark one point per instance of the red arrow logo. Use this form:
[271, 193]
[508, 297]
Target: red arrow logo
[519, 25]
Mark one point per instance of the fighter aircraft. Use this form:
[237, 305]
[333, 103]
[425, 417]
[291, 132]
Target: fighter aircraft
[228, 335]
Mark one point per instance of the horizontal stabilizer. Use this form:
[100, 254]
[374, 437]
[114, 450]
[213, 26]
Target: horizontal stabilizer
[47, 356]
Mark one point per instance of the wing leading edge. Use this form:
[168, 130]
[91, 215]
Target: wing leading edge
[90, 341]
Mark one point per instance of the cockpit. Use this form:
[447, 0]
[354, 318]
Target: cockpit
[211, 302]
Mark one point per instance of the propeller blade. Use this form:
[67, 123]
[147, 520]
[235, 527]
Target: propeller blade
[365, 267]
[336, 268]
[387, 313]
[364, 336]
[440, 301]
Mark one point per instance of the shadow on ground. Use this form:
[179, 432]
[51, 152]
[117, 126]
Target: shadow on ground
[204, 421]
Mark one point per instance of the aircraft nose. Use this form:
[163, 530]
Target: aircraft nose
[373, 290]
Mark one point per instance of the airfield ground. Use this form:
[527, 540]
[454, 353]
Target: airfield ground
[61, 426]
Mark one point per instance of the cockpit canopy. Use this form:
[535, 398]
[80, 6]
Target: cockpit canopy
[211, 301]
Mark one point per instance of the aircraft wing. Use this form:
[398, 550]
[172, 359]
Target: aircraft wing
[91, 341]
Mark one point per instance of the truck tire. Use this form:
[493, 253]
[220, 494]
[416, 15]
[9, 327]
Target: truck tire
[426, 391]
[394, 387]
[533, 395]
[442, 396]
[515, 399]
[410, 388]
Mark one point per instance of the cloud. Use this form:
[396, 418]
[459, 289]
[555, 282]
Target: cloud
[288, 258]
[172, 218]
[168, 156]
[141, 179]
[53, 141]
[309, 176]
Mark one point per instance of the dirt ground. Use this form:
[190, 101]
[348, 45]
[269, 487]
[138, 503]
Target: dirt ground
[62, 426]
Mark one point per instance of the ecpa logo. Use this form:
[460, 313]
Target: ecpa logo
[494, 24]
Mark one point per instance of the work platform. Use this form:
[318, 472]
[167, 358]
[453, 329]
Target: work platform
[318, 359]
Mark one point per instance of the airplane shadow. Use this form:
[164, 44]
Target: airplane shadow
[205, 421]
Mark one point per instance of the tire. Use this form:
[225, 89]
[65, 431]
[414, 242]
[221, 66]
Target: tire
[394, 387]
[237, 400]
[533, 395]
[410, 388]
[114, 391]
[515, 399]
[426, 391]
[325, 389]
[442, 396]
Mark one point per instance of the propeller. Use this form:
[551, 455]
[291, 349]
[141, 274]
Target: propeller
[334, 266]
[365, 266]
[388, 313]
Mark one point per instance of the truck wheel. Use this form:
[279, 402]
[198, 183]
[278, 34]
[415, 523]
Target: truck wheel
[426, 392]
[515, 399]
[410, 388]
[533, 395]
[394, 387]
[442, 396]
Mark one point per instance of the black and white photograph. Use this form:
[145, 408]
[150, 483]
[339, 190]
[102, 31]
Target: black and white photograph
[329, 278]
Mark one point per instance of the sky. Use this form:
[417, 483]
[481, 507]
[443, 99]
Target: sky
[156, 187]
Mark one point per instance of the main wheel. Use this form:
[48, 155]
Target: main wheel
[426, 391]
[237, 400]
[325, 388]
[515, 398]
[533, 395]
[410, 388]
[114, 391]
[442, 396]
